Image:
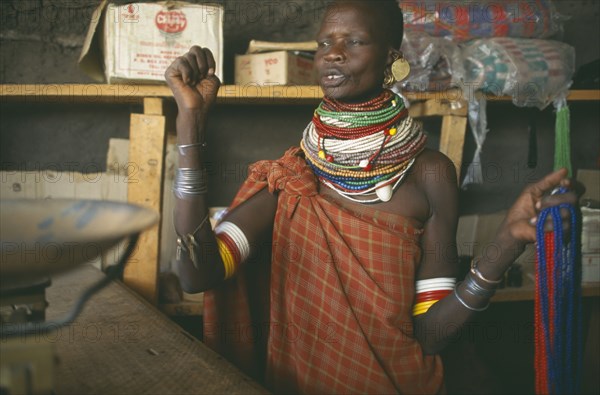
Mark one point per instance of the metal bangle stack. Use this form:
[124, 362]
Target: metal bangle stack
[189, 182]
[473, 288]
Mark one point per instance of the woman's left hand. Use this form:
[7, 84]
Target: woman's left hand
[521, 220]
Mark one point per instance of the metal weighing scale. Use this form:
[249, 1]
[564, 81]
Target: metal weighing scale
[39, 239]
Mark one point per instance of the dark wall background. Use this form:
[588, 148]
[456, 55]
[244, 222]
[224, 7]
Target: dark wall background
[48, 34]
[40, 42]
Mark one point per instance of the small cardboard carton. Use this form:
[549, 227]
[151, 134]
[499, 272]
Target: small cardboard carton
[590, 225]
[138, 41]
[274, 68]
[590, 244]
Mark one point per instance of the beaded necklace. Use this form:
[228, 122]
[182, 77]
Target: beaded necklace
[362, 151]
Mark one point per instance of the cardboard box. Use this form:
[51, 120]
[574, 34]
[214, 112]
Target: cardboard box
[590, 244]
[274, 68]
[590, 268]
[590, 225]
[138, 41]
[590, 230]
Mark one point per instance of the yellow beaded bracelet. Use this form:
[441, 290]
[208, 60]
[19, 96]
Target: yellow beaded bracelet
[422, 307]
[227, 257]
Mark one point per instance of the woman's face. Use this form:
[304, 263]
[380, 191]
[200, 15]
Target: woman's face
[352, 54]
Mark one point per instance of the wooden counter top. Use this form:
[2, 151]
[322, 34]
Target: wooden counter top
[120, 344]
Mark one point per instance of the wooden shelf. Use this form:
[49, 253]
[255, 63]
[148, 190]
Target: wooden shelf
[136, 93]
[232, 94]
[527, 292]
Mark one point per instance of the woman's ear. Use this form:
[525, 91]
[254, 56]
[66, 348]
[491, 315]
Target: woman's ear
[388, 77]
[393, 55]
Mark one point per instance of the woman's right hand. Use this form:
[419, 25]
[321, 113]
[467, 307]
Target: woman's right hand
[192, 79]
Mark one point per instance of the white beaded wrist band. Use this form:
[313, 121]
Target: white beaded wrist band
[431, 284]
[238, 237]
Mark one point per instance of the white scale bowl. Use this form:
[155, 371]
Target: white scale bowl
[44, 237]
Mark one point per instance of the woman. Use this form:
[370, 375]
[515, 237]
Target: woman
[360, 299]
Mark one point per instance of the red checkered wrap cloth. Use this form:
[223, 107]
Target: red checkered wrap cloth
[341, 294]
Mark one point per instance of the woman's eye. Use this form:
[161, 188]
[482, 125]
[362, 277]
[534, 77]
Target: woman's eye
[355, 42]
[323, 44]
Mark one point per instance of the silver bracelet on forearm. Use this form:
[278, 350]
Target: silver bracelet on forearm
[189, 182]
[471, 287]
[480, 276]
[465, 303]
[183, 147]
[189, 244]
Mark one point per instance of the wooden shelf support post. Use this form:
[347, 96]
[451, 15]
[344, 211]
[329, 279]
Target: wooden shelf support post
[146, 156]
[452, 139]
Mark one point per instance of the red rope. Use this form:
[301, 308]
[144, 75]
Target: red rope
[540, 360]
[541, 341]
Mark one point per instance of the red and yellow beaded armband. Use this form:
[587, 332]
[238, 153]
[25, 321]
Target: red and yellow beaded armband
[233, 246]
[430, 291]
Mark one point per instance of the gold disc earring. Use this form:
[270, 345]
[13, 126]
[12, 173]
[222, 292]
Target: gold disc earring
[388, 78]
[400, 69]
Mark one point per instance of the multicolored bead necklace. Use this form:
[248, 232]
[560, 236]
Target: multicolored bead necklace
[363, 149]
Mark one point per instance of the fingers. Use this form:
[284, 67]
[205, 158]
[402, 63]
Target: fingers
[565, 221]
[210, 61]
[569, 198]
[197, 64]
[540, 192]
[209, 88]
[202, 63]
[522, 219]
[549, 182]
[543, 197]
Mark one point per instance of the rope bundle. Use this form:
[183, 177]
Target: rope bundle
[558, 329]
[557, 307]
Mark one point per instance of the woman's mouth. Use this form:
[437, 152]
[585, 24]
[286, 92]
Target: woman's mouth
[332, 80]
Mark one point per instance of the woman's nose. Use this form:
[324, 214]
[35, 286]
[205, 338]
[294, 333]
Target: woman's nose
[335, 53]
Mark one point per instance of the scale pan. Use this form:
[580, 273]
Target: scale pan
[44, 237]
